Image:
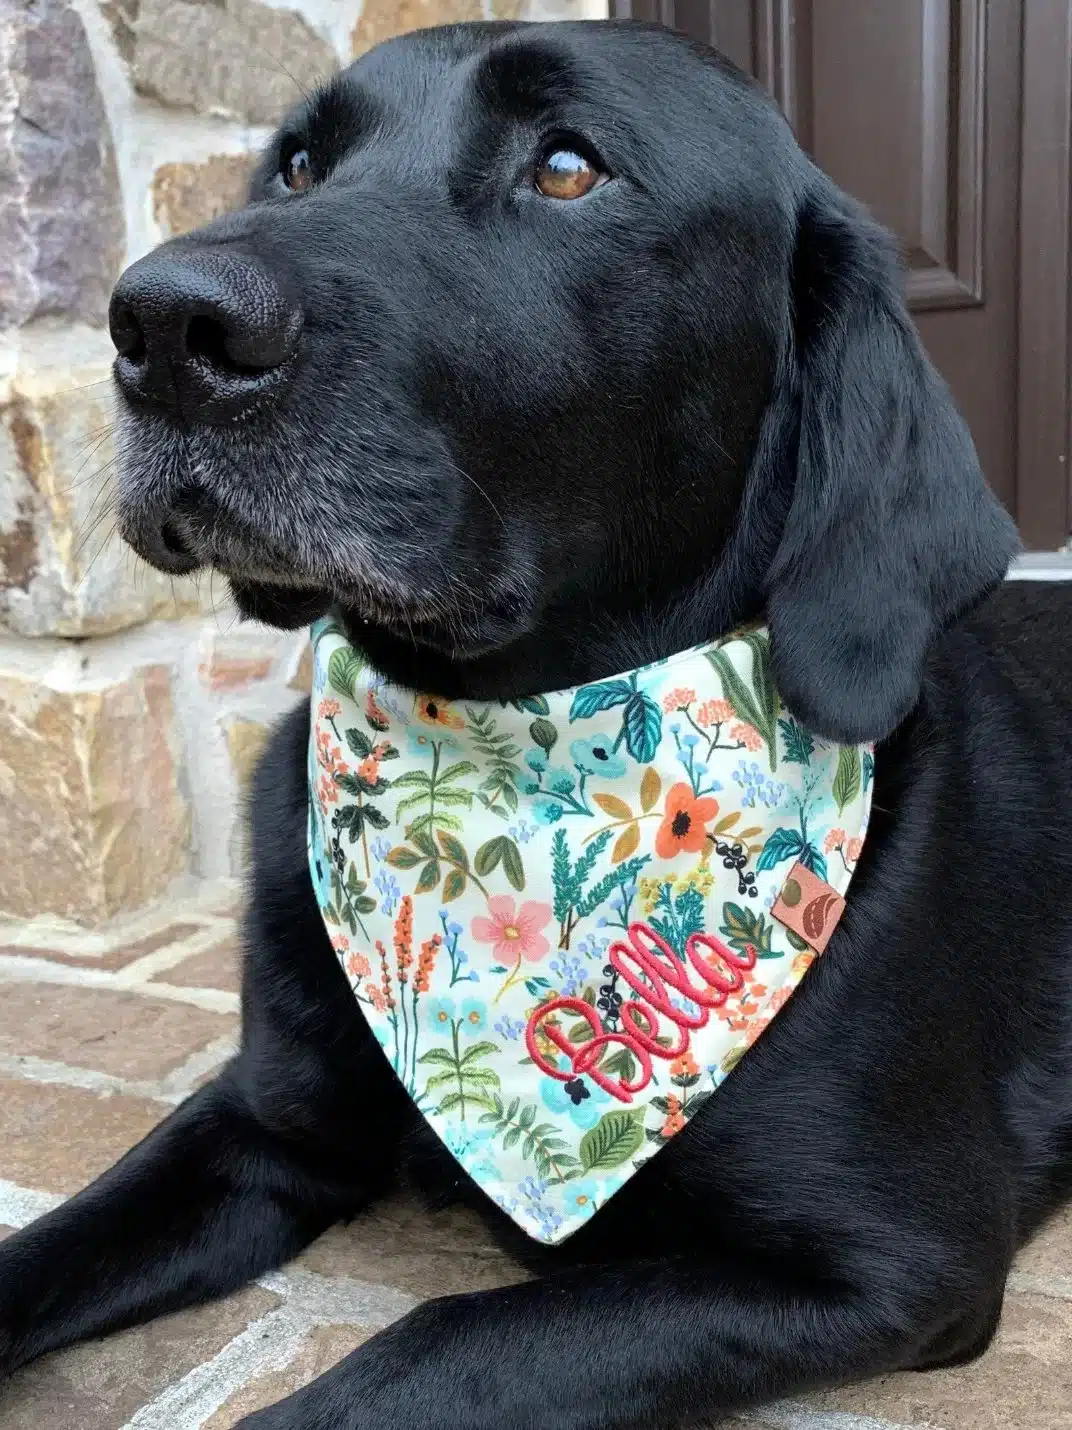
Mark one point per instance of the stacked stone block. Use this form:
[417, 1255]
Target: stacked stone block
[132, 706]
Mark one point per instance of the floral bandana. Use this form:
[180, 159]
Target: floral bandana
[566, 917]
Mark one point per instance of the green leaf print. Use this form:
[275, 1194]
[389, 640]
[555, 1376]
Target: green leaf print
[429, 877]
[643, 725]
[615, 1138]
[756, 704]
[542, 1143]
[847, 778]
[343, 669]
[782, 844]
[412, 779]
[544, 734]
[512, 865]
[402, 858]
[743, 926]
[453, 885]
[453, 849]
[470, 1086]
[799, 745]
[604, 695]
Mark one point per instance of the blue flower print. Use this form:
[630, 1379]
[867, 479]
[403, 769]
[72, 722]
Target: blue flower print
[595, 756]
[595, 948]
[582, 1197]
[547, 811]
[537, 760]
[586, 1111]
[472, 1146]
[390, 893]
[509, 1028]
[380, 848]
[522, 831]
[756, 785]
[421, 740]
[474, 1016]
[570, 974]
[561, 781]
[528, 784]
[441, 1013]
[546, 1218]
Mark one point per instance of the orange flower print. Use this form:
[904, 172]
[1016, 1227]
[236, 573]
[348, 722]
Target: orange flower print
[375, 713]
[778, 999]
[675, 1118]
[684, 1066]
[404, 938]
[853, 850]
[746, 735]
[385, 978]
[682, 830]
[358, 966]
[376, 998]
[834, 840]
[679, 699]
[327, 710]
[369, 769]
[438, 712]
[426, 963]
[714, 712]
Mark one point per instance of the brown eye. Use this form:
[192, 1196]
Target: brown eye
[297, 172]
[565, 174]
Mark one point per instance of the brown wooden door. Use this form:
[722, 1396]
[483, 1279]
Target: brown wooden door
[950, 120]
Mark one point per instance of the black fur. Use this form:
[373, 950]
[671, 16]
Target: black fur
[527, 443]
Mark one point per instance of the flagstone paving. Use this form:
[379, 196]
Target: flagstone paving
[101, 1034]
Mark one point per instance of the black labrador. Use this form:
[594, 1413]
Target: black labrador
[541, 352]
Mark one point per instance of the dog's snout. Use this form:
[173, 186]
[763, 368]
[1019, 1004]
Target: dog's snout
[203, 333]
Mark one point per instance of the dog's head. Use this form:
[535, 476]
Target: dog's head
[541, 351]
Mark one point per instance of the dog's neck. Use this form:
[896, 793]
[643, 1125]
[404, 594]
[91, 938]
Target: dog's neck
[592, 633]
[568, 646]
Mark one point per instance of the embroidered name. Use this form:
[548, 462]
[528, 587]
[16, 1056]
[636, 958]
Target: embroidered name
[651, 971]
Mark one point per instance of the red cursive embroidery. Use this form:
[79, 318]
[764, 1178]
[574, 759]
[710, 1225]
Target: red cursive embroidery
[650, 967]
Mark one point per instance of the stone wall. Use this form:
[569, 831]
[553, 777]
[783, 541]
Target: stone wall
[131, 706]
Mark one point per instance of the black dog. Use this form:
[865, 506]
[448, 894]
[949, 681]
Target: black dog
[541, 352]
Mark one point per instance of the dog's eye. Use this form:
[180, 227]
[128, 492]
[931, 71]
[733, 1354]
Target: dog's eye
[297, 171]
[565, 174]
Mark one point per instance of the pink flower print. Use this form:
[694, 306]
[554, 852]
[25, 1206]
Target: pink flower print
[328, 709]
[834, 840]
[714, 712]
[678, 699]
[746, 735]
[853, 850]
[516, 933]
[358, 966]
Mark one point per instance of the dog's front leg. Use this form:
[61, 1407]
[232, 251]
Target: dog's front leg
[210, 1198]
[642, 1345]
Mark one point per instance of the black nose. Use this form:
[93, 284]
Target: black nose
[203, 333]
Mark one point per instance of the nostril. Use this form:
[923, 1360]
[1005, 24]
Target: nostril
[172, 540]
[208, 339]
[205, 338]
[127, 334]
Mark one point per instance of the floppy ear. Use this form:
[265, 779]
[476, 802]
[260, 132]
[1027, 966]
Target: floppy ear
[891, 530]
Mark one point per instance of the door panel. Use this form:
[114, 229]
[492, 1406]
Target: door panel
[915, 108]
